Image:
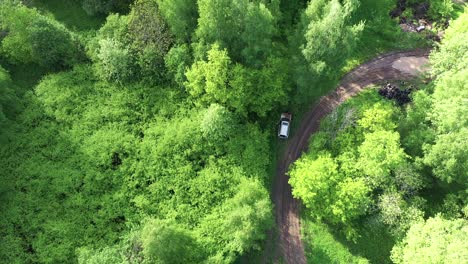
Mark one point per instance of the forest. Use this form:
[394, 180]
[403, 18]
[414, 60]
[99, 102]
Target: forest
[144, 131]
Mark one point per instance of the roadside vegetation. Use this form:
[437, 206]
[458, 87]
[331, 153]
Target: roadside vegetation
[144, 131]
[386, 179]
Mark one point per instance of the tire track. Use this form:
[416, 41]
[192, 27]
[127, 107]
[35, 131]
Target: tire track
[290, 247]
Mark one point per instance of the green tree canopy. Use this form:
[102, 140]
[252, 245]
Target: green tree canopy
[436, 240]
[328, 35]
[239, 224]
[245, 28]
[244, 90]
[165, 242]
[33, 37]
[379, 155]
[448, 155]
[317, 180]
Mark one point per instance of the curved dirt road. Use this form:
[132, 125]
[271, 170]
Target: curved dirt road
[390, 66]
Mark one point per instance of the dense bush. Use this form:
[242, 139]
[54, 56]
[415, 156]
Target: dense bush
[402, 155]
[156, 145]
[32, 37]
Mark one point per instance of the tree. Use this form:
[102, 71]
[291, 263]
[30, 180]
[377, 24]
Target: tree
[440, 9]
[62, 95]
[211, 77]
[115, 62]
[222, 21]
[181, 16]
[177, 61]
[415, 128]
[378, 118]
[99, 7]
[317, 180]
[218, 124]
[237, 226]
[379, 155]
[32, 37]
[241, 89]
[435, 241]
[108, 255]
[397, 213]
[9, 101]
[167, 243]
[327, 32]
[131, 48]
[449, 157]
[150, 38]
[448, 107]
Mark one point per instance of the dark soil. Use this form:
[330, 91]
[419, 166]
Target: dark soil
[290, 247]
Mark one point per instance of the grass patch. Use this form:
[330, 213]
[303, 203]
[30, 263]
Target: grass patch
[375, 242]
[70, 13]
[25, 76]
[376, 40]
[321, 246]
[373, 42]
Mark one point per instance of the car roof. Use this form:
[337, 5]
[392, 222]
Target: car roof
[284, 128]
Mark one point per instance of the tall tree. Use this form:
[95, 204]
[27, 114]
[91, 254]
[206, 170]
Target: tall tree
[435, 241]
[328, 36]
[448, 156]
[166, 242]
[317, 180]
[181, 16]
[379, 155]
[33, 37]
[219, 80]
[244, 27]
[239, 224]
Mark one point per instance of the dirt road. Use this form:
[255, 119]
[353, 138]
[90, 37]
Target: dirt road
[390, 66]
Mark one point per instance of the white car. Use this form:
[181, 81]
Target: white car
[285, 122]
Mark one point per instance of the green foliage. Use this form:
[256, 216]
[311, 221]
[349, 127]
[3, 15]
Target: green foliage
[104, 256]
[181, 16]
[108, 157]
[415, 127]
[217, 124]
[9, 103]
[448, 155]
[448, 106]
[132, 47]
[375, 32]
[32, 37]
[377, 118]
[440, 9]
[327, 33]
[379, 154]
[316, 180]
[323, 247]
[238, 88]
[245, 28]
[149, 37]
[114, 61]
[357, 177]
[396, 213]
[435, 241]
[239, 224]
[165, 242]
[457, 26]
[69, 13]
[95, 7]
[177, 61]
[157, 149]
